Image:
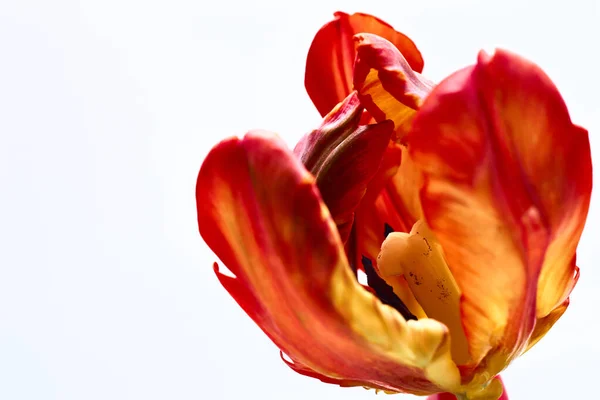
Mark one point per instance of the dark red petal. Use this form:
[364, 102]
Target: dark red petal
[344, 157]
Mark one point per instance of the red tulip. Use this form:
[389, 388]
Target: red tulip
[462, 202]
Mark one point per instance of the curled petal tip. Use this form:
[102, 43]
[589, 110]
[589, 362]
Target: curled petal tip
[484, 57]
[330, 60]
[386, 84]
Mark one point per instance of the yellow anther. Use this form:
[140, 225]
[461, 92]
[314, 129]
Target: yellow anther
[419, 257]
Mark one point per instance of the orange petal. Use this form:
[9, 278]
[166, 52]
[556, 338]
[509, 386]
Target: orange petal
[387, 85]
[555, 160]
[344, 157]
[506, 173]
[260, 211]
[330, 60]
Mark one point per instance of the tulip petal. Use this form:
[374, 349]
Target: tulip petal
[507, 177]
[344, 157]
[260, 211]
[387, 85]
[556, 161]
[331, 56]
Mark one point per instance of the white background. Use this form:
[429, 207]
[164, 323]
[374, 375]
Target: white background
[107, 109]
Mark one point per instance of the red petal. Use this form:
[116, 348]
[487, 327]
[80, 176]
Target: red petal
[508, 181]
[344, 158]
[330, 60]
[260, 211]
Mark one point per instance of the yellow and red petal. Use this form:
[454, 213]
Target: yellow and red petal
[344, 157]
[331, 56]
[505, 172]
[556, 162]
[387, 85]
[260, 211]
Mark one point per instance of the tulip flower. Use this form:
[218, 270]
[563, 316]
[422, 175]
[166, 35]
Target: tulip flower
[462, 202]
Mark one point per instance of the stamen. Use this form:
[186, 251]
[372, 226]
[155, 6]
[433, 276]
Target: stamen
[419, 257]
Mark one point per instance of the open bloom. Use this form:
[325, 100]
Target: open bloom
[463, 203]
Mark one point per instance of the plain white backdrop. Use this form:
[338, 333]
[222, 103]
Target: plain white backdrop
[107, 109]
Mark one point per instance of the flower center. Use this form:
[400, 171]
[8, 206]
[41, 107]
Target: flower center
[419, 257]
